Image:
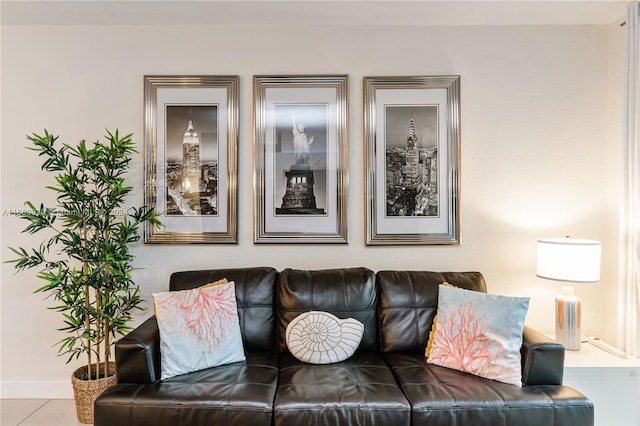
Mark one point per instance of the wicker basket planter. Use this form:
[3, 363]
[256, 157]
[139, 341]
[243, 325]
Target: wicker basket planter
[86, 391]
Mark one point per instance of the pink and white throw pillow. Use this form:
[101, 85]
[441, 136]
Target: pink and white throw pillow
[479, 333]
[199, 328]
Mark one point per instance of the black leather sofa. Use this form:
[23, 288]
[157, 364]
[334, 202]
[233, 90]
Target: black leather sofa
[386, 382]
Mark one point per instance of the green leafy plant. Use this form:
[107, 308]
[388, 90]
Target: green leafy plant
[85, 261]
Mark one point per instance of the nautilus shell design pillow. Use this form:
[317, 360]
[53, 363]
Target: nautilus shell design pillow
[322, 338]
[199, 328]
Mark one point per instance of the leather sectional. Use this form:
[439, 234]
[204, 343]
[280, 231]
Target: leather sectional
[386, 382]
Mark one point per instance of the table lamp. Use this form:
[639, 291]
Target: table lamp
[569, 260]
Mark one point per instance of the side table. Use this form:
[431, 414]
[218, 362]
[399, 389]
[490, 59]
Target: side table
[612, 383]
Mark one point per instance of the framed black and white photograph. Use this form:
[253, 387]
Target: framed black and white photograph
[301, 159]
[412, 149]
[191, 158]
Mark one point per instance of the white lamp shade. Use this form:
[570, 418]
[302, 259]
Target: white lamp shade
[569, 259]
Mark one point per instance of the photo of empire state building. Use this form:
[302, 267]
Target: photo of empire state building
[192, 162]
[411, 161]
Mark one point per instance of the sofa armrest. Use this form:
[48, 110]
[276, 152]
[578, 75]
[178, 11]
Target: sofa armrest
[138, 354]
[542, 359]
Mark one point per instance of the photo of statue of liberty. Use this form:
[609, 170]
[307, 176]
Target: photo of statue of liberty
[301, 141]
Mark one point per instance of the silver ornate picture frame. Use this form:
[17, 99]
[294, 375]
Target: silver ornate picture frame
[412, 152]
[301, 159]
[191, 139]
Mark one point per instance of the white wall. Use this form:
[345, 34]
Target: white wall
[536, 156]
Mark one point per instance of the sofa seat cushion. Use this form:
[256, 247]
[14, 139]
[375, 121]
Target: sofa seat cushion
[441, 396]
[234, 394]
[360, 390]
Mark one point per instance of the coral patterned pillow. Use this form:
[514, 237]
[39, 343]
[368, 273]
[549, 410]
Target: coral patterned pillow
[427, 351]
[199, 328]
[480, 334]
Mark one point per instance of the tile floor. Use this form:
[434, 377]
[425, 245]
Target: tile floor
[38, 412]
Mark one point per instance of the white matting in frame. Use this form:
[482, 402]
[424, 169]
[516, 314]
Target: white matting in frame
[300, 159]
[412, 150]
[190, 158]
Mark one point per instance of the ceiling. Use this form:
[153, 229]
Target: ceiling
[312, 12]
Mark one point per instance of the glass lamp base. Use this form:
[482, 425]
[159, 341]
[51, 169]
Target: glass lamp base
[568, 323]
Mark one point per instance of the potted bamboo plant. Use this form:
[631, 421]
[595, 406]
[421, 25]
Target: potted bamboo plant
[84, 260]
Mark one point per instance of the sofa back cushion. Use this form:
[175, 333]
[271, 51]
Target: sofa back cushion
[408, 304]
[348, 292]
[255, 294]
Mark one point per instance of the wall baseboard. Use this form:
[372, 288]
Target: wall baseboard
[27, 389]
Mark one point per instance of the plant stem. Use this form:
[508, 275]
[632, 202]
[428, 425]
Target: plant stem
[98, 330]
[87, 317]
[88, 327]
[106, 349]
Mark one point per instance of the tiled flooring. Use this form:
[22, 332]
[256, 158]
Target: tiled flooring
[38, 412]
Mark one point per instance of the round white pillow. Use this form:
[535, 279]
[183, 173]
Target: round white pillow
[319, 337]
